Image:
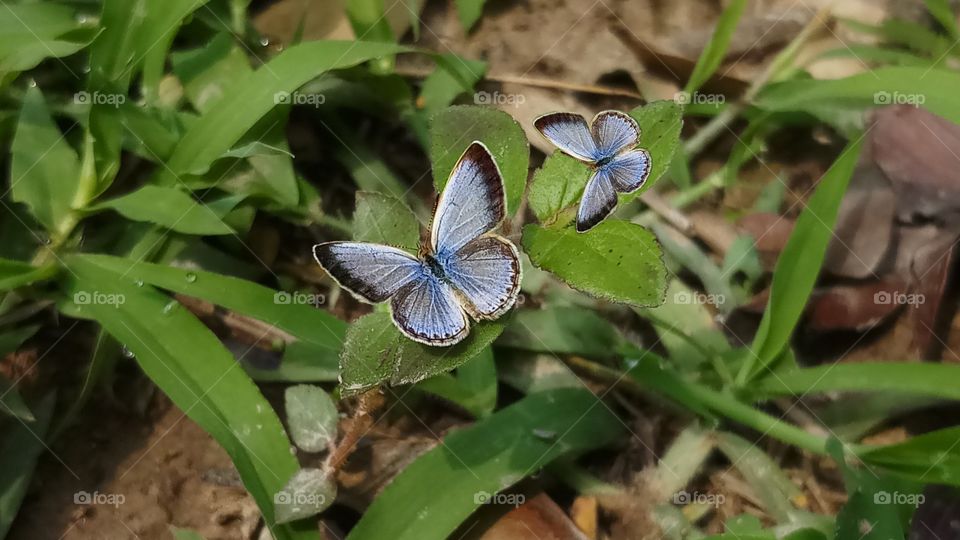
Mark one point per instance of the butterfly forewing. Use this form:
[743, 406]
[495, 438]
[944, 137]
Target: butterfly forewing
[486, 274]
[426, 310]
[570, 133]
[472, 202]
[371, 272]
[614, 132]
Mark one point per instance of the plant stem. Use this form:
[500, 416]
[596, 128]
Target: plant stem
[687, 392]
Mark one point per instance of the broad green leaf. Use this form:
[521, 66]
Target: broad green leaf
[313, 327]
[929, 458]
[476, 462]
[453, 129]
[209, 72]
[453, 76]
[255, 95]
[21, 446]
[558, 185]
[616, 260]
[907, 377]
[799, 264]
[474, 387]
[200, 376]
[375, 352]
[312, 417]
[31, 32]
[385, 220]
[308, 493]
[169, 207]
[716, 48]
[469, 12]
[44, 169]
[931, 88]
[561, 330]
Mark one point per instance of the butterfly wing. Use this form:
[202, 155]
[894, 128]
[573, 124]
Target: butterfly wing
[599, 199]
[628, 171]
[486, 275]
[569, 133]
[371, 272]
[614, 132]
[427, 310]
[472, 203]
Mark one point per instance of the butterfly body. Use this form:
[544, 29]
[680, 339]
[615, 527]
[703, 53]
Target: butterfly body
[463, 270]
[608, 146]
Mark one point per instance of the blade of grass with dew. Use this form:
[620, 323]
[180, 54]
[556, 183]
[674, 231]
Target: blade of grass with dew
[799, 265]
[485, 458]
[225, 123]
[199, 375]
[716, 48]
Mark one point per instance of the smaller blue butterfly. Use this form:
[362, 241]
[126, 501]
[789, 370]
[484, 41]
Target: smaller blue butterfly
[465, 268]
[607, 145]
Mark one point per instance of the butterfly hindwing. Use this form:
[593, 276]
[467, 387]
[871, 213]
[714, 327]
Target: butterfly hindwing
[629, 170]
[371, 272]
[599, 199]
[486, 275]
[472, 202]
[570, 133]
[427, 310]
[614, 132]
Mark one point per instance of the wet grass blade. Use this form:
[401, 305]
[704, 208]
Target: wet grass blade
[478, 461]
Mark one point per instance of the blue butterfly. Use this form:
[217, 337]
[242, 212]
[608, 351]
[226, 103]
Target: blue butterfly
[465, 269]
[608, 145]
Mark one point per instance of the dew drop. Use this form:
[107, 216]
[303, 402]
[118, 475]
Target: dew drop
[544, 434]
[127, 353]
[264, 42]
[139, 283]
[191, 277]
[169, 307]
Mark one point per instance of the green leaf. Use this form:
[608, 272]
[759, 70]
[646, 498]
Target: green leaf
[31, 32]
[255, 95]
[200, 376]
[660, 125]
[882, 86]
[308, 493]
[475, 462]
[302, 362]
[941, 10]
[375, 352]
[557, 185]
[169, 207]
[20, 448]
[474, 388]
[319, 334]
[799, 264]
[616, 260]
[907, 377]
[469, 12]
[716, 49]
[929, 458]
[369, 20]
[453, 76]
[312, 417]
[385, 220]
[453, 129]
[15, 274]
[209, 72]
[561, 330]
[44, 169]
